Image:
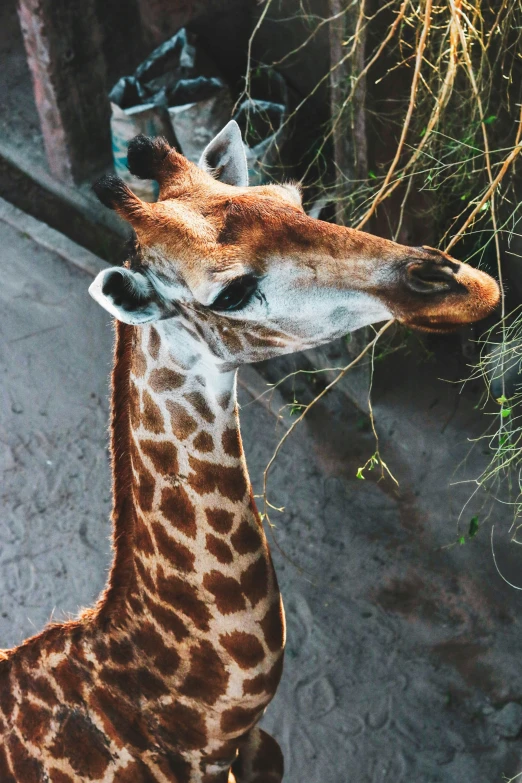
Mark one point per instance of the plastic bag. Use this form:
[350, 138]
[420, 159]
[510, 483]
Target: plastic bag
[177, 93]
[166, 96]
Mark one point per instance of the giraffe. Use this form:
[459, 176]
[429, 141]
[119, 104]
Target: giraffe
[165, 678]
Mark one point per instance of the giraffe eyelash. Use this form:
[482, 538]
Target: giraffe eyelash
[236, 295]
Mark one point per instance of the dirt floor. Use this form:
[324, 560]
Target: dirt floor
[403, 660]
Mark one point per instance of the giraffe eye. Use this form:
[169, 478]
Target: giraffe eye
[236, 295]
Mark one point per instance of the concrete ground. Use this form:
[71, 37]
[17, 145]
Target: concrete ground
[403, 660]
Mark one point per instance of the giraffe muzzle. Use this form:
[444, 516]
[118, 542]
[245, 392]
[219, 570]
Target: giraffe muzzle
[445, 294]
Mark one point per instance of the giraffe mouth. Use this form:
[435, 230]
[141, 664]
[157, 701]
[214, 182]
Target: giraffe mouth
[434, 327]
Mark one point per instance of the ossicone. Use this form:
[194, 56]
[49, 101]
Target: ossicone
[112, 191]
[115, 194]
[146, 157]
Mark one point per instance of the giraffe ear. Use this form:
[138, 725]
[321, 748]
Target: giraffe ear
[225, 158]
[127, 295]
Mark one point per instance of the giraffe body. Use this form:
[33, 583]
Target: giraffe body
[185, 649]
[165, 679]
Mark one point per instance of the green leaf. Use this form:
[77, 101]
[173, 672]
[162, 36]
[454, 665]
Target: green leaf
[359, 474]
[462, 540]
[490, 119]
[373, 462]
[473, 527]
[501, 399]
[505, 412]
[372, 174]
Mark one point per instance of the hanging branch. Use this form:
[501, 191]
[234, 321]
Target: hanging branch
[310, 405]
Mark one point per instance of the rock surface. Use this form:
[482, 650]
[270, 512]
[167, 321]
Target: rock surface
[398, 648]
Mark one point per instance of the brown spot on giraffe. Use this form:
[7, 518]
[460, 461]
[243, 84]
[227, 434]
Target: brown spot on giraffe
[26, 768]
[177, 765]
[219, 548]
[121, 651]
[7, 699]
[178, 509]
[273, 626]
[152, 419]
[101, 650]
[175, 552]
[207, 678]
[71, 679]
[245, 648]
[183, 597]
[200, 404]
[82, 744]
[231, 442]
[247, 538]
[254, 580]
[163, 455]
[182, 423]
[238, 719]
[33, 656]
[145, 574]
[142, 537]
[53, 641]
[226, 591]
[266, 339]
[224, 401]
[124, 725]
[264, 683]
[185, 723]
[42, 688]
[154, 343]
[150, 643]
[35, 723]
[140, 681]
[57, 776]
[167, 619]
[145, 483]
[165, 379]
[230, 340]
[5, 772]
[209, 477]
[220, 520]
[204, 442]
[135, 772]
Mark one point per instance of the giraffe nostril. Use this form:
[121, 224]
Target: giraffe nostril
[427, 277]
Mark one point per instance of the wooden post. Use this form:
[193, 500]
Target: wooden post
[64, 49]
[350, 151]
[339, 82]
[350, 147]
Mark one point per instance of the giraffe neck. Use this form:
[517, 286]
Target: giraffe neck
[190, 483]
[192, 573]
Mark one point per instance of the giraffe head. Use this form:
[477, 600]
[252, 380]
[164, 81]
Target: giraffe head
[250, 275]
